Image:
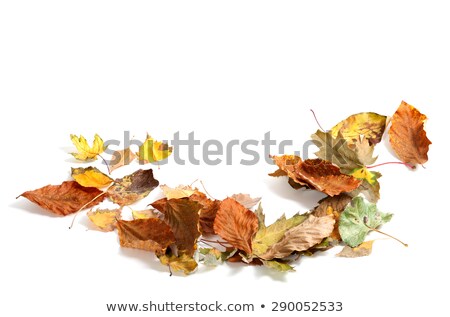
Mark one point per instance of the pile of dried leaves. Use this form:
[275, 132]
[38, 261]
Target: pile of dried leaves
[228, 230]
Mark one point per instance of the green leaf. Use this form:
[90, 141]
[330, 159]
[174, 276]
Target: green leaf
[268, 236]
[278, 266]
[358, 219]
[212, 257]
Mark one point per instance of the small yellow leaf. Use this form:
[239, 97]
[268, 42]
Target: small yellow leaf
[183, 263]
[90, 177]
[177, 192]
[104, 219]
[364, 173]
[364, 249]
[121, 158]
[143, 214]
[153, 151]
[86, 152]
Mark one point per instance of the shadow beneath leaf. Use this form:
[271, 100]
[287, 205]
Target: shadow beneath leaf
[146, 258]
[24, 204]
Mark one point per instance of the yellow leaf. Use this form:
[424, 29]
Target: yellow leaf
[183, 263]
[86, 152]
[153, 151]
[364, 173]
[121, 158]
[105, 220]
[90, 177]
[369, 124]
[143, 214]
[177, 192]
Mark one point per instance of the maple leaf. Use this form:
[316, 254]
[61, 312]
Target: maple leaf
[236, 224]
[153, 151]
[144, 214]
[65, 199]
[278, 266]
[212, 256]
[332, 206]
[183, 262]
[268, 236]
[245, 200]
[364, 151]
[317, 174]
[302, 237]
[121, 158]
[104, 219]
[407, 135]
[133, 187]
[147, 234]
[369, 124]
[182, 215]
[364, 249]
[91, 177]
[86, 152]
[177, 192]
[358, 219]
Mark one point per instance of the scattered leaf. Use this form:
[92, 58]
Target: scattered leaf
[91, 177]
[86, 152]
[364, 249]
[333, 206]
[407, 135]
[245, 200]
[207, 213]
[278, 266]
[183, 263]
[121, 158]
[133, 187]
[236, 224]
[104, 219]
[261, 217]
[370, 190]
[146, 234]
[144, 214]
[212, 257]
[65, 199]
[358, 219]
[364, 152]
[152, 151]
[177, 192]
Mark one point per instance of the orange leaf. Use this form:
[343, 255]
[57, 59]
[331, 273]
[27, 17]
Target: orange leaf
[147, 234]
[207, 213]
[236, 224]
[407, 135]
[66, 198]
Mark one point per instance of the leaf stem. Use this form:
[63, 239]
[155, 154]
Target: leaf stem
[376, 230]
[84, 206]
[204, 188]
[107, 165]
[387, 163]
[317, 121]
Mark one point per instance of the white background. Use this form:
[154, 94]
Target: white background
[226, 70]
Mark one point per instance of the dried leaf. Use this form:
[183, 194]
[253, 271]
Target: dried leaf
[369, 124]
[86, 152]
[364, 249]
[177, 192]
[144, 214]
[153, 151]
[370, 190]
[358, 219]
[245, 200]
[65, 199]
[182, 215]
[121, 158]
[212, 257]
[125, 191]
[333, 206]
[407, 135]
[236, 224]
[183, 263]
[278, 266]
[207, 213]
[104, 219]
[146, 234]
[91, 177]
[302, 237]
[364, 151]
[261, 217]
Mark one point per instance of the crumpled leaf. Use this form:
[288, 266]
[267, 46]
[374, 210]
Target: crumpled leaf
[317, 174]
[91, 177]
[104, 219]
[364, 249]
[407, 135]
[182, 215]
[246, 200]
[144, 214]
[153, 151]
[278, 266]
[131, 188]
[370, 190]
[177, 192]
[333, 206]
[358, 219]
[183, 263]
[65, 199]
[268, 236]
[207, 213]
[302, 237]
[121, 158]
[369, 124]
[86, 152]
[236, 224]
[147, 234]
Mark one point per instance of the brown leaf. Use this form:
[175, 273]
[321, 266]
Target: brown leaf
[407, 135]
[182, 215]
[317, 174]
[133, 187]
[302, 237]
[104, 219]
[245, 200]
[333, 206]
[121, 158]
[236, 224]
[364, 249]
[65, 199]
[207, 213]
[147, 234]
